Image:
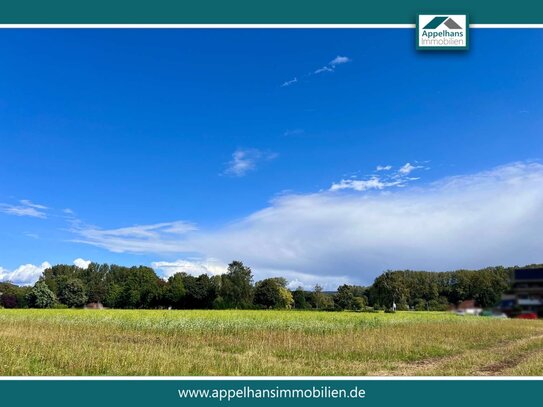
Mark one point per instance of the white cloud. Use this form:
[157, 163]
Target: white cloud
[329, 67]
[487, 218]
[309, 281]
[288, 83]
[193, 267]
[359, 236]
[26, 208]
[339, 60]
[399, 178]
[323, 69]
[245, 160]
[156, 238]
[25, 274]
[408, 168]
[363, 185]
[81, 263]
[242, 162]
[29, 203]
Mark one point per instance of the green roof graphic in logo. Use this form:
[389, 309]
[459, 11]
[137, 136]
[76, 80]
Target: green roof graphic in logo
[437, 21]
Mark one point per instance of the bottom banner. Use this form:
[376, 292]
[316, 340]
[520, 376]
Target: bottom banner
[173, 392]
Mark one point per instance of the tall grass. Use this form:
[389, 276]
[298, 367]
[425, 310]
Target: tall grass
[148, 342]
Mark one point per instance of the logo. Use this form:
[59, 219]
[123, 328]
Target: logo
[442, 32]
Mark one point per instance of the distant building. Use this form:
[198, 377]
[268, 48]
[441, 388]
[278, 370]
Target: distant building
[468, 307]
[526, 293]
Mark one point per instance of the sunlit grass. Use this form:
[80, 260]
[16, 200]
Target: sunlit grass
[126, 342]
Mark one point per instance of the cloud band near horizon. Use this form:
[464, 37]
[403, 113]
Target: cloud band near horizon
[467, 221]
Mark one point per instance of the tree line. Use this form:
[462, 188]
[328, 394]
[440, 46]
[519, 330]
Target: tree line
[140, 287]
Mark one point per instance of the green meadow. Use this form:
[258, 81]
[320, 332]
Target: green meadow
[253, 343]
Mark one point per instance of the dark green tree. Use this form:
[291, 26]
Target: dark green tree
[134, 287]
[13, 296]
[300, 300]
[344, 298]
[94, 278]
[318, 297]
[175, 291]
[237, 286]
[200, 292]
[40, 296]
[273, 293]
[72, 293]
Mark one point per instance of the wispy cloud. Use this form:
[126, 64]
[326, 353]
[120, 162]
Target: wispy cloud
[30, 204]
[329, 67]
[156, 238]
[288, 83]
[364, 185]
[25, 274]
[339, 60]
[331, 237]
[408, 168]
[398, 178]
[246, 160]
[323, 69]
[24, 208]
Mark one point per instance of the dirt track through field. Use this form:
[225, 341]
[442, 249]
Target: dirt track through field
[512, 359]
[497, 360]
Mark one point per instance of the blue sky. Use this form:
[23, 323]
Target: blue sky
[186, 149]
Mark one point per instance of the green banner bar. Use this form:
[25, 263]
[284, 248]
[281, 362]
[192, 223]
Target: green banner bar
[420, 393]
[263, 12]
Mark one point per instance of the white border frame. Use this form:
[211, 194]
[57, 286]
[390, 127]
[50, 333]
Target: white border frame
[249, 26]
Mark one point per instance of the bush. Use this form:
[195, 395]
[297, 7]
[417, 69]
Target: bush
[41, 296]
[8, 301]
[441, 304]
[420, 305]
[272, 293]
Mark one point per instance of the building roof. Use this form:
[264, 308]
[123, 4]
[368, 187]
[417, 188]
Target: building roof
[467, 304]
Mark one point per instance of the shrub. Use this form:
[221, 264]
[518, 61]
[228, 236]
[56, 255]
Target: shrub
[41, 296]
[420, 304]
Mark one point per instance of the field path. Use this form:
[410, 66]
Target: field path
[497, 360]
[515, 353]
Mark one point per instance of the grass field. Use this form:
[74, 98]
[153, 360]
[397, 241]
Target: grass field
[118, 342]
